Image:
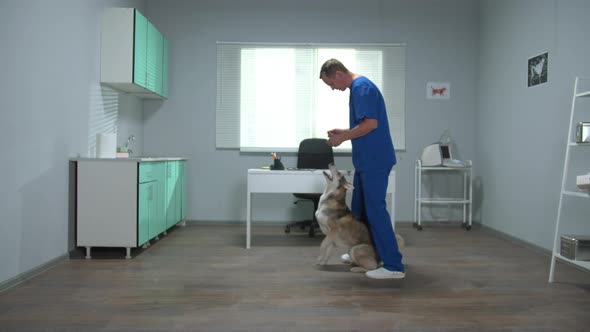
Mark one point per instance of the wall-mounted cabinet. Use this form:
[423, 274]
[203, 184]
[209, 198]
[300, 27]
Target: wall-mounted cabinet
[134, 54]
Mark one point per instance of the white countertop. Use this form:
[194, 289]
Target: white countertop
[131, 159]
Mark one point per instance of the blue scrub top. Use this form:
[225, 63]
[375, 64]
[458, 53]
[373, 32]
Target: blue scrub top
[375, 150]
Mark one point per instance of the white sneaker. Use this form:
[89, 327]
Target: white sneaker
[345, 258]
[383, 273]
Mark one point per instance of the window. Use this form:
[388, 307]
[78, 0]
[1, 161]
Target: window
[270, 96]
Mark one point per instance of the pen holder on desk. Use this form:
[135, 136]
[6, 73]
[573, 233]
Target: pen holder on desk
[278, 165]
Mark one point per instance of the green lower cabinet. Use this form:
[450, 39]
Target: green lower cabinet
[151, 211]
[146, 211]
[162, 198]
[183, 189]
[126, 203]
[158, 222]
[172, 213]
[178, 193]
[175, 192]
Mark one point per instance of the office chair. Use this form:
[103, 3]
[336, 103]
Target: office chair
[313, 153]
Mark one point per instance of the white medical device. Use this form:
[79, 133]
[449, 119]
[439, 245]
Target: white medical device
[583, 182]
[432, 155]
[439, 154]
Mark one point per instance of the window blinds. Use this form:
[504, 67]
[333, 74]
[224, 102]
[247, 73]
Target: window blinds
[270, 96]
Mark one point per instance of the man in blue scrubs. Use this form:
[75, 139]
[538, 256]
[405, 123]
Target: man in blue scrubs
[373, 157]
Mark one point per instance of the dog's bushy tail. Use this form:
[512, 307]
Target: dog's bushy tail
[401, 243]
[363, 255]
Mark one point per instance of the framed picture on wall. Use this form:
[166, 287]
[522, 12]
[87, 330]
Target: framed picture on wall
[438, 90]
[537, 69]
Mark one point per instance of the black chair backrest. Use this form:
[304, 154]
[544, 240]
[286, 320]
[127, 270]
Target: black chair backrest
[314, 153]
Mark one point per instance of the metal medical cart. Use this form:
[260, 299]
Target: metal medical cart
[466, 200]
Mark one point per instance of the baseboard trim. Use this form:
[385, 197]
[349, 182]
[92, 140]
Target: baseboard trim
[536, 248]
[5, 285]
[518, 241]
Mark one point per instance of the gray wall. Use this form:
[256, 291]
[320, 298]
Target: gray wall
[441, 46]
[521, 132]
[51, 107]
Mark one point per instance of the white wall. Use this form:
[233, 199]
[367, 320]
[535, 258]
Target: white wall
[51, 107]
[522, 131]
[441, 46]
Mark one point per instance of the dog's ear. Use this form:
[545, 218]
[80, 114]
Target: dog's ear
[348, 186]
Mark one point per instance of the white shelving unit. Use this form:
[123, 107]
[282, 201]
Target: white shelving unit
[466, 200]
[569, 193]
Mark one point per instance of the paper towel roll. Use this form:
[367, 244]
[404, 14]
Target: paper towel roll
[106, 145]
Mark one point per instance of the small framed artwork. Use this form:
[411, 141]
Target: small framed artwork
[438, 90]
[537, 69]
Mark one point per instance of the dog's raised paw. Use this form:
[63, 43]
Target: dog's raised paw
[358, 269]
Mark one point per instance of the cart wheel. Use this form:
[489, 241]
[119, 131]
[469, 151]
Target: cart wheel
[287, 229]
[419, 227]
[468, 227]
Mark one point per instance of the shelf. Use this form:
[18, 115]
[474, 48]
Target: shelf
[583, 264]
[446, 168]
[576, 193]
[565, 179]
[465, 200]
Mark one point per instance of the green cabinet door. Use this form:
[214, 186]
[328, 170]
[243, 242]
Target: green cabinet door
[140, 50]
[171, 193]
[165, 69]
[159, 50]
[155, 41]
[183, 190]
[178, 192]
[159, 169]
[145, 212]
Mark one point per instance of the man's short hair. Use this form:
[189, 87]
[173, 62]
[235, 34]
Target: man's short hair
[330, 67]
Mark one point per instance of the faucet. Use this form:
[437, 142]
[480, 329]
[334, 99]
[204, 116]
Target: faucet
[129, 139]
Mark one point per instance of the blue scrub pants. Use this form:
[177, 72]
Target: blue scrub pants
[368, 203]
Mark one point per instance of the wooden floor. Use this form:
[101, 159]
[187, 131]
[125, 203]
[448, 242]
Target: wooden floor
[200, 278]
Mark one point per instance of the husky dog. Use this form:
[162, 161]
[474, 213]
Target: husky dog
[342, 228]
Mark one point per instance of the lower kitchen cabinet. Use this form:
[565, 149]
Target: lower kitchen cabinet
[146, 212]
[127, 203]
[182, 164]
[172, 211]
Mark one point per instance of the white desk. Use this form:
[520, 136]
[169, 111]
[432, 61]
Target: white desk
[296, 181]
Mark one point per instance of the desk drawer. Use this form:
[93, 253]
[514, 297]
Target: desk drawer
[146, 172]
